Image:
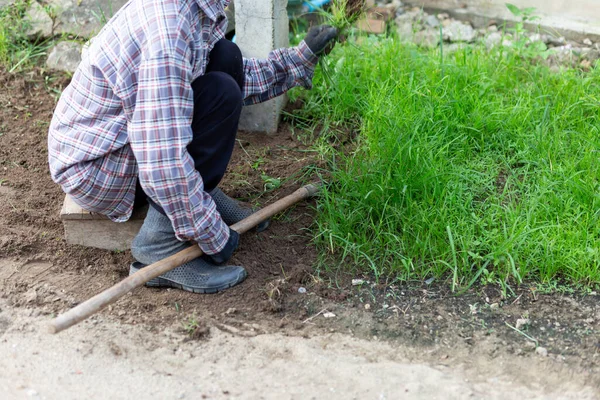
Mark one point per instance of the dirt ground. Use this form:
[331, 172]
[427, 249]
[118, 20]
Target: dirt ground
[264, 338]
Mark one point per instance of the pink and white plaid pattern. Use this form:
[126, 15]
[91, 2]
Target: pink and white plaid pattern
[128, 112]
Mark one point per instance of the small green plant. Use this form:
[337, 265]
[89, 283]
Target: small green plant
[270, 183]
[194, 328]
[521, 42]
[190, 325]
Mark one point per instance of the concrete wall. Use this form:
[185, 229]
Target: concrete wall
[261, 26]
[575, 19]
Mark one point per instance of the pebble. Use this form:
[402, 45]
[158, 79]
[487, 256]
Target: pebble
[367, 306]
[522, 322]
[357, 282]
[587, 42]
[560, 41]
[541, 351]
[529, 346]
[456, 31]
[302, 290]
[432, 21]
[31, 296]
[494, 306]
[329, 315]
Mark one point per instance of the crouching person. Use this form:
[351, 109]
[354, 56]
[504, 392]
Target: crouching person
[151, 116]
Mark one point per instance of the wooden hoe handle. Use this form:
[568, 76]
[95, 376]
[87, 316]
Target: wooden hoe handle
[112, 294]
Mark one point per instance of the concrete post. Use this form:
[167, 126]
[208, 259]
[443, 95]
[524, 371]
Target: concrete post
[261, 26]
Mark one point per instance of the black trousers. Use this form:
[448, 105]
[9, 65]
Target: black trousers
[217, 108]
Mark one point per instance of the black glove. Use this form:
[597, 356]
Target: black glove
[224, 255]
[320, 39]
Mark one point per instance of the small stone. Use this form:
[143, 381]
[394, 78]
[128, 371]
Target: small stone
[592, 55]
[492, 28]
[443, 16]
[231, 310]
[40, 23]
[329, 315]
[456, 31]
[405, 30]
[394, 6]
[587, 42]
[367, 306]
[529, 346]
[6, 3]
[522, 322]
[302, 290]
[65, 56]
[536, 37]
[492, 40]
[432, 21]
[557, 41]
[358, 282]
[507, 43]
[31, 296]
[429, 39]
[32, 393]
[82, 18]
[494, 306]
[541, 351]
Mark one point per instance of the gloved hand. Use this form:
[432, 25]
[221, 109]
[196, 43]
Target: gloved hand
[224, 255]
[320, 39]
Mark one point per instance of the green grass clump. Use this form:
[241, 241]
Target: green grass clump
[343, 13]
[478, 167]
[17, 51]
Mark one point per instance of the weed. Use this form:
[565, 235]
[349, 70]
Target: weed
[194, 328]
[341, 14]
[523, 334]
[17, 51]
[270, 183]
[190, 324]
[521, 43]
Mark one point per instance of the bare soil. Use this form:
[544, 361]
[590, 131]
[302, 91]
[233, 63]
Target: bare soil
[336, 339]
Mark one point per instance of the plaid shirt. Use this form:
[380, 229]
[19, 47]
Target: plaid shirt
[128, 112]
